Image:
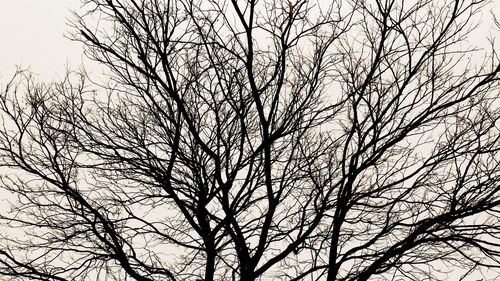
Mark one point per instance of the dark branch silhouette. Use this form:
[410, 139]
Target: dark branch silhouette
[258, 140]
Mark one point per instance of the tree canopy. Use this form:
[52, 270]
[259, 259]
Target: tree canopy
[258, 140]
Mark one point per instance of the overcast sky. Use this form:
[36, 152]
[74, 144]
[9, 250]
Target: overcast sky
[32, 34]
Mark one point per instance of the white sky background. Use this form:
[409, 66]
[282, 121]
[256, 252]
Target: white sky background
[32, 35]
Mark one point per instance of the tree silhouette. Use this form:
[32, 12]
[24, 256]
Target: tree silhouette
[258, 140]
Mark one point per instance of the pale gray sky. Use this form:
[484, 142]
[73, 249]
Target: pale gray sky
[32, 34]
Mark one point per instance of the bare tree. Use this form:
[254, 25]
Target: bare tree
[258, 140]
